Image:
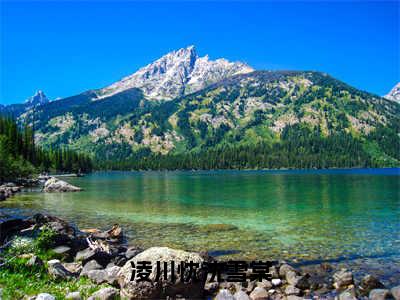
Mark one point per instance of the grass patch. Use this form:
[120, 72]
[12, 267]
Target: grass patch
[17, 279]
[23, 280]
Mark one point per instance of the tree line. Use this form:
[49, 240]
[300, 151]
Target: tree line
[21, 157]
[299, 148]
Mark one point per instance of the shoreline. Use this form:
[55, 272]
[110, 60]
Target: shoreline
[250, 170]
[321, 272]
[322, 282]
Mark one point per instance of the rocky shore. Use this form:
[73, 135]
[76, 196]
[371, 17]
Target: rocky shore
[50, 185]
[116, 269]
[8, 189]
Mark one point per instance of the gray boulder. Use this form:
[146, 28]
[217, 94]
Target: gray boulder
[224, 294]
[59, 186]
[369, 283]
[132, 252]
[73, 296]
[292, 290]
[97, 276]
[45, 296]
[299, 281]
[342, 279]
[109, 275]
[89, 266]
[395, 291]
[241, 295]
[293, 297]
[86, 255]
[73, 267]
[57, 270]
[112, 275]
[163, 286]
[34, 261]
[105, 294]
[349, 294]
[284, 269]
[265, 284]
[379, 294]
[62, 250]
[259, 294]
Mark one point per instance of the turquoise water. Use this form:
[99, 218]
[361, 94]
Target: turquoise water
[336, 215]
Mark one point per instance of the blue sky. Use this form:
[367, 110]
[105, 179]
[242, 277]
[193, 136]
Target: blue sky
[65, 48]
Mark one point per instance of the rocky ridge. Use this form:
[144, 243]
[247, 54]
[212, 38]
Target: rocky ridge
[39, 98]
[394, 94]
[175, 74]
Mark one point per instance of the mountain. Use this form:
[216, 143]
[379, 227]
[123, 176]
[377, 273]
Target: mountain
[176, 74]
[394, 94]
[39, 98]
[259, 119]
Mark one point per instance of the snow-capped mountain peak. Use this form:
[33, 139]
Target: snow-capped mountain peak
[175, 74]
[39, 98]
[394, 94]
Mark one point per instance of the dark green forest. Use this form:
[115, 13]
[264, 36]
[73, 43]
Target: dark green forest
[20, 157]
[299, 148]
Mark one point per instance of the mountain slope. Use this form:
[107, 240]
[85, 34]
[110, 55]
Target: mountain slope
[175, 74]
[270, 114]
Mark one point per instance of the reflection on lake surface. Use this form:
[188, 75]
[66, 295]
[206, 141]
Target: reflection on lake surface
[296, 215]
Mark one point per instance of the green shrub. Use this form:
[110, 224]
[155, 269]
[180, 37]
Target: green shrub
[46, 239]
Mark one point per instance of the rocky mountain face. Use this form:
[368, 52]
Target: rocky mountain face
[39, 98]
[394, 94]
[176, 74]
[19, 110]
[218, 111]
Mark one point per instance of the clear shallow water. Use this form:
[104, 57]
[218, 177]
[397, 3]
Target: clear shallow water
[334, 215]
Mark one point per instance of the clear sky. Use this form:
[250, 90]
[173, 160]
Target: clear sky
[65, 48]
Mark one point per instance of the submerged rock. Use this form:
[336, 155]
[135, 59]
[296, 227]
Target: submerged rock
[56, 185]
[217, 227]
[342, 279]
[349, 294]
[379, 294]
[369, 283]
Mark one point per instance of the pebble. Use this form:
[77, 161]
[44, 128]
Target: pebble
[276, 282]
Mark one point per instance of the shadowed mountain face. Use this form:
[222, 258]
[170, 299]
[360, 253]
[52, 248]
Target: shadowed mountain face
[292, 119]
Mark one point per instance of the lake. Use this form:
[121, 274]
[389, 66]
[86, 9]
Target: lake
[349, 217]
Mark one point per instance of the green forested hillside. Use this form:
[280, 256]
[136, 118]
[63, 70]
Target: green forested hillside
[21, 157]
[262, 119]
